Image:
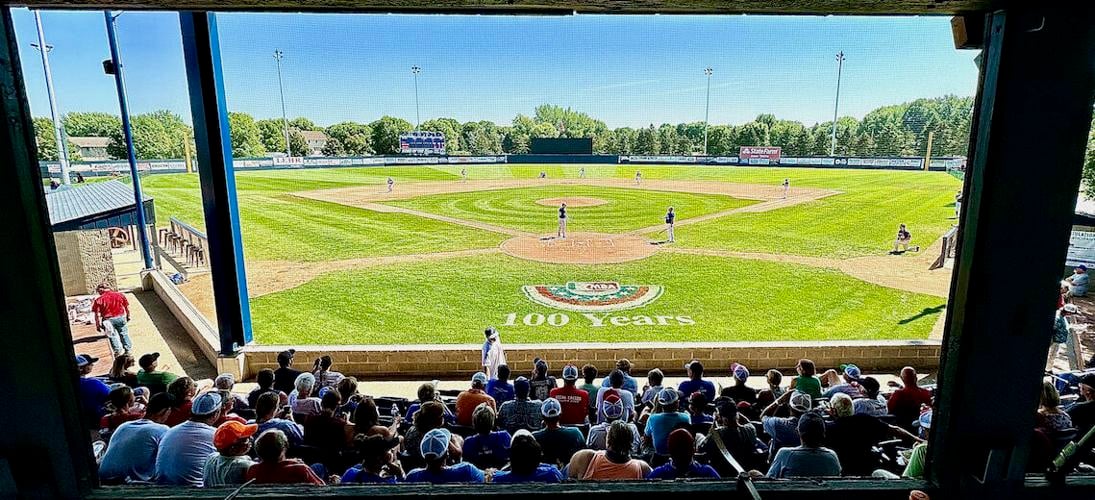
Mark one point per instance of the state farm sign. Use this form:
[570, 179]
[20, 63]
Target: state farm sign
[759, 155]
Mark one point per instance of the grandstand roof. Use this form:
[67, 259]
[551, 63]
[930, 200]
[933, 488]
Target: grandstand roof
[93, 205]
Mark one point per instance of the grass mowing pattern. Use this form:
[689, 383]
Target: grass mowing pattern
[451, 302]
[627, 209]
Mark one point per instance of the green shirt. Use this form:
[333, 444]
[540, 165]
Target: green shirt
[915, 469]
[153, 378]
[809, 385]
[592, 390]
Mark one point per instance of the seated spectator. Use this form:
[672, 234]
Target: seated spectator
[428, 392]
[379, 461]
[871, 403]
[367, 420]
[274, 467]
[557, 443]
[285, 378]
[265, 381]
[471, 398]
[1082, 412]
[541, 383]
[810, 459]
[224, 383]
[615, 385]
[740, 441]
[697, 409]
[184, 389]
[589, 374]
[630, 384]
[325, 377]
[852, 436]
[184, 448]
[1050, 417]
[429, 416]
[269, 417]
[654, 380]
[93, 393]
[905, 403]
[806, 381]
[849, 384]
[131, 454]
[121, 371]
[739, 391]
[301, 400]
[525, 463]
[784, 430]
[521, 413]
[695, 382]
[122, 409]
[613, 463]
[681, 463]
[499, 388]
[152, 374]
[487, 448]
[919, 456]
[347, 390]
[775, 378]
[1076, 284]
[228, 410]
[575, 401]
[328, 430]
[613, 409]
[435, 449]
[659, 425]
[229, 465]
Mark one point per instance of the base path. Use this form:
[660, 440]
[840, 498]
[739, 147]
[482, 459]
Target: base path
[580, 248]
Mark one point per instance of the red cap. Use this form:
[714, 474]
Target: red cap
[229, 433]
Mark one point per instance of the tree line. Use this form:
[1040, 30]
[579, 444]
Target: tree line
[896, 130]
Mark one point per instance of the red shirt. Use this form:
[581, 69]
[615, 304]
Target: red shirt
[575, 403]
[113, 420]
[284, 472]
[110, 304]
[179, 415]
[905, 403]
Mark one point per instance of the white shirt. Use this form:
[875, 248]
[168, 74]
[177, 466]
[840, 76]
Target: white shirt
[131, 453]
[183, 452]
[495, 357]
[220, 470]
[626, 397]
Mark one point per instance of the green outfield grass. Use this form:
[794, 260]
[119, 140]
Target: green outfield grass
[452, 300]
[625, 210]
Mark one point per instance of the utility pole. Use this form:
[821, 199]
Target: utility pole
[278, 55]
[417, 117]
[836, 105]
[706, 108]
[58, 128]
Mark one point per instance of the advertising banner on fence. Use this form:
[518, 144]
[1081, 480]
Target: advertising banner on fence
[759, 155]
[289, 161]
[1081, 249]
[659, 159]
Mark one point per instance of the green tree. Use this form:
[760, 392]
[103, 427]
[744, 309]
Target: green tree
[786, 134]
[481, 137]
[246, 138]
[447, 126]
[667, 139]
[272, 134]
[46, 142]
[386, 130]
[1088, 184]
[721, 141]
[302, 123]
[753, 134]
[646, 142]
[348, 139]
[94, 124]
[298, 144]
[157, 135]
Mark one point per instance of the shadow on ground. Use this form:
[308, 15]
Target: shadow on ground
[192, 361]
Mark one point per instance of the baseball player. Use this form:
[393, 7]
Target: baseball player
[391, 182]
[638, 177]
[670, 218]
[582, 173]
[464, 174]
[958, 205]
[562, 221]
[903, 239]
[543, 174]
[786, 187]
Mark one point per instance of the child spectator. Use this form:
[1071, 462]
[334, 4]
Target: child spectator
[184, 389]
[653, 386]
[229, 465]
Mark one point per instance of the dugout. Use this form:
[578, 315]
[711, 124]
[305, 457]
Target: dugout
[1034, 100]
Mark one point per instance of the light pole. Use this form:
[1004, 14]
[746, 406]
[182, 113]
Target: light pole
[836, 104]
[278, 55]
[706, 108]
[417, 117]
[58, 130]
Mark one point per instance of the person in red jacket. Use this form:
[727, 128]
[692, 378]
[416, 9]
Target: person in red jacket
[575, 401]
[111, 310]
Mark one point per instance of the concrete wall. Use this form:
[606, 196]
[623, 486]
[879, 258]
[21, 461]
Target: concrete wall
[85, 260]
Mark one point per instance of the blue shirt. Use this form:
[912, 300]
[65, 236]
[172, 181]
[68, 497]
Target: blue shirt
[1079, 284]
[93, 393]
[630, 384]
[356, 474]
[293, 431]
[411, 410]
[492, 449]
[132, 451]
[804, 462]
[659, 425]
[784, 431]
[500, 391]
[462, 472]
[689, 386]
[694, 469]
[544, 473]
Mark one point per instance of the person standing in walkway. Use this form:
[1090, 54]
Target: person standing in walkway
[111, 310]
[562, 234]
[493, 353]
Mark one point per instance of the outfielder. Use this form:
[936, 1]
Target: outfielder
[670, 218]
[786, 186]
[391, 182]
[562, 221]
[582, 173]
[464, 174]
[638, 177]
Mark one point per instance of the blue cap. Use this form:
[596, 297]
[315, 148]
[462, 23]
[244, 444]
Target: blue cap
[206, 404]
[435, 444]
[852, 371]
[521, 383]
[925, 420]
[668, 396]
[479, 378]
[570, 372]
[551, 408]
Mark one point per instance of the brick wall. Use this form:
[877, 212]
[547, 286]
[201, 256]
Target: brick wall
[85, 260]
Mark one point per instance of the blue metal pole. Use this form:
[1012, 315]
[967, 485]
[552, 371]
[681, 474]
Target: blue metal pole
[127, 132]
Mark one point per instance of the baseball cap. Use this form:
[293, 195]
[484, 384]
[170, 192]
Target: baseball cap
[801, 402]
[1082, 267]
[1071, 308]
[520, 432]
[925, 420]
[668, 396]
[376, 444]
[570, 372]
[695, 364]
[698, 398]
[286, 355]
[147, 359]
[83, 360]
[612, 407]
[551, 408]
[740, 371]
[851, 370]
[159, 402]
[541, 362]
[521, 383]
[231, 432]
[479, 378]
[680, 442]
[1088, 380]
[435, 444]
[206, 404]
[224, 381]
[491, 333]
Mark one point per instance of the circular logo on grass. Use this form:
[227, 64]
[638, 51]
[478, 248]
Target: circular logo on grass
[595, 296]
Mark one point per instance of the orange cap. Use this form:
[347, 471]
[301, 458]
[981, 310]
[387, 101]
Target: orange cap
[231, 432]
[917, 495]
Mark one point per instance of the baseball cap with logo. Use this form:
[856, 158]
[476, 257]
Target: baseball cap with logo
[851, 370]
[668, 396]
[83, 360]
[206, 404]
[551, 408]
[612, 407]
[740, 371]
[230, 432]
[801, 402]
[570, 372]
[148, 359]
[435, 444]
[925, 420]
[479, 378]
[1071, 308]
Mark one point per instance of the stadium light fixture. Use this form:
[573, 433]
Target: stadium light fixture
[58, 130]
[278, 56]
[707, 107]
[836, 104]
[415, 70]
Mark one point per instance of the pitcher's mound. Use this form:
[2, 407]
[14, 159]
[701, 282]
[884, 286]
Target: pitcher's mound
[580, 248]
[571, 201]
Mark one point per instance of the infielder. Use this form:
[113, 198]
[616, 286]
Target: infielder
[464, 174]
[582, 173]
[543, 174]
[670, 218]
[903, 240]
[958, 205]
[638, 177]
[391, 182]
[786, 186]
[562, 234]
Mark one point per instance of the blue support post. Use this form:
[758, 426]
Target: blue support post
[201, 52]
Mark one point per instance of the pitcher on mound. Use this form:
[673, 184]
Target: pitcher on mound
[562, 234]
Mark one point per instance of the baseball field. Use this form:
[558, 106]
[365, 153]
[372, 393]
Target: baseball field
[334, 258]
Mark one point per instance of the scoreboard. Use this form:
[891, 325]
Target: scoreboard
[422, 143]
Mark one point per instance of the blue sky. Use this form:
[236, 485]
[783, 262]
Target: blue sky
[625, 70]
